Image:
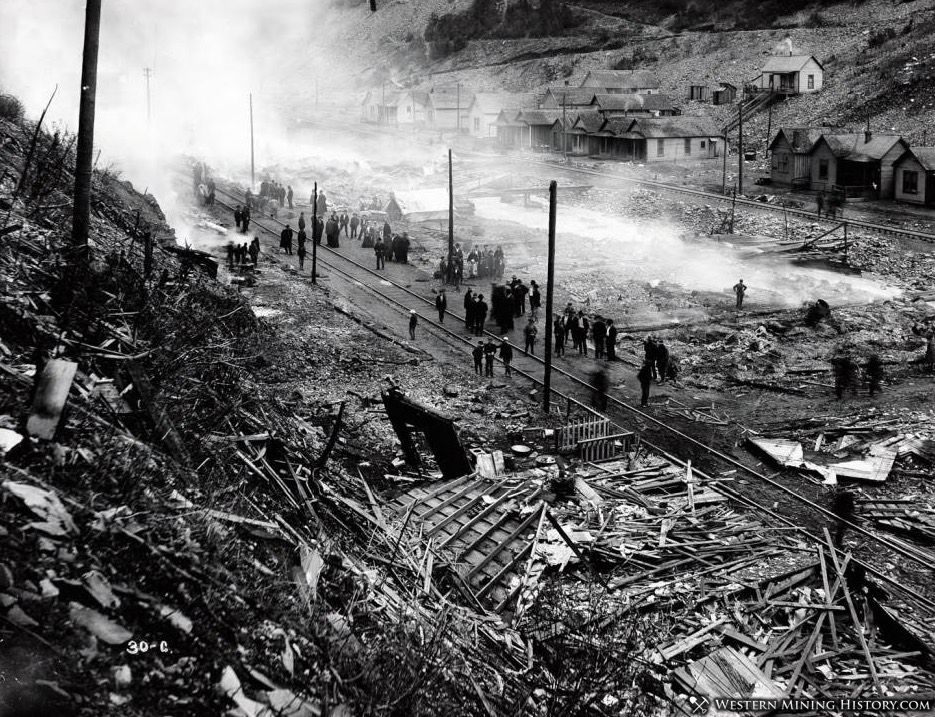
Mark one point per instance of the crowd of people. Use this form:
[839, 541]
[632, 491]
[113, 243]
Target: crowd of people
[479, 263]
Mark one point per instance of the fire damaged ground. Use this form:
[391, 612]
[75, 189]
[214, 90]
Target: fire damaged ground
[207, 508]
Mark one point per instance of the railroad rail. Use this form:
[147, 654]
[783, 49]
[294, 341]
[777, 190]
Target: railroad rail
[404, 300]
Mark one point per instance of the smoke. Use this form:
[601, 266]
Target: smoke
[207, 57]
[786, 47]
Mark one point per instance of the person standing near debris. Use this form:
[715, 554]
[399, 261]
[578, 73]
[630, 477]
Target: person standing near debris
[255, 250]
[845, 374]
[873, 370]
[583, 327]
[403, 257]
[611, 341]
[413, 322]
[645, 377]
[558, 330]
[343, 222]
[379, 249]
[441, 303]
[599, 332]
[506, 355]
[480, 315]
[929, 359]
[490, 351]
[238, 216]
[820, 202]
[573, 326]
[301, 250]
[289, 195]
[230, 256]
[478, 354]
[355, 222]
[535, 300]
[599, 386]
[740, 289]
[529, 332]
[662, 360]
[468, 307]
[285, 239]
[649, 353]
[245, 220]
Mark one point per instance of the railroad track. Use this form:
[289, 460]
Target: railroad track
[528, 366]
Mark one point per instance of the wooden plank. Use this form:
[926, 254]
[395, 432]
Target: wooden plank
[437, 492]
[51, 395]
[472, 546]
[463, 509]
[500, 546]
[690, 641]
[446, 502]
[504, 570]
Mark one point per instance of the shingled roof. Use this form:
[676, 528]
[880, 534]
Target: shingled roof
[623, 79]
[855, 147]
[801, 139]
[491, 102]
[788, 63]
[666, 127]
[632, 102]
[570, 96]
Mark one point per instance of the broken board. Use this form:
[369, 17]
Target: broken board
[51, 395]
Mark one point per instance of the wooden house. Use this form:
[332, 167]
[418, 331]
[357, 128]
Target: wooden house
[486, 107]
[543, 128]
[620, 82]
[448, 108]
[633, 105]
[699, 93]
[791, 162]
[914, 179]
[511, 133]
[856, 165]
[725, 94]
[666, 139]
[412, 107]
[568, 97]
[791, 74]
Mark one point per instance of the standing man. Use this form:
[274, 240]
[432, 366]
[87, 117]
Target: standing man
[535, 300]
[379, 249]
[301, 251]
[355, 222]
[289, 196]
[301, 221]
[662, 360]
[645, 377]
[583, 327]
[506, 355]
[529, 332]
[649, 354]
[468, 310]
[558, 329]
[413, 322]
[322, 204]
[611, 340]
[478, 354]
[874, 372]
[344, 222]
[480, 315]
[490, 350]
[255, 250]
[441, 303]
[740, 289]
[599, 332]
[238, 216]
[820, 202]
[285, 239]
[599, 386]
[245, 220]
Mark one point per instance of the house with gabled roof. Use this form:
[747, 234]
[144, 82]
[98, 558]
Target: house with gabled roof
[618, 82]
[857, 164]
[412, 106]
[791, 74]
[486, 107]
[568, 97]
[915, 176]
[791, 164]
[447, 107]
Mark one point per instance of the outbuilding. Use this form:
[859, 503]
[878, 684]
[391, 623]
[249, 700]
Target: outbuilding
[790, 159]
[915, 176]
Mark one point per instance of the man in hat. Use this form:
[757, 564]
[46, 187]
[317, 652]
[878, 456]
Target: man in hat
[413, 322]
[740, 289]
[478, 354]
[506, 355]
[441, 303]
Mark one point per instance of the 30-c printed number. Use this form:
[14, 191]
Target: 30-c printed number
[135, 648]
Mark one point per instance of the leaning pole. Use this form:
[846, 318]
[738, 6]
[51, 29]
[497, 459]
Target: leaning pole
[550, 281]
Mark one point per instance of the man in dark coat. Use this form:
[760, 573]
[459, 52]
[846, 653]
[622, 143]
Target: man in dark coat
[583, 326]
[343, 222]
[599, 332]
[600, 383]
[245, 220]
[301, 221]
[379, 249]
[490, 351]
[355, 222]
[319, 230]
[403, 249]
[322, 204]
[413, 322]
[535, 300]
[255, 250]
[611, 340]
[529, 333]
[480, 315]
[558, 328]
[441, 303]
[662, 360]
[289, 195]
[331, 232]
[478, 354]
[468, 309]
[649, 354]
[874, 373]
[387, 232]
[506, 355]
[740, 289]
[645, 377]
[300, 251]
[285, 239]
[238, 215]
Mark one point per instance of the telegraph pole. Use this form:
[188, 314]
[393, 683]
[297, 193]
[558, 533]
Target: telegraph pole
[314, 229]
[740, 146]
[459, 109]
[252, 165]
[451, 216]
[81, 216]
[564, 136]
[550, 280]
[147, 73]
[724, 167]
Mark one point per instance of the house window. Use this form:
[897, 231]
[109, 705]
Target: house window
[910, 182]
[703, 144]
[660, 147]
[781, 162]
[811, 82]
[822, 168]
[688, 146]
[477, 124]
[408, 110]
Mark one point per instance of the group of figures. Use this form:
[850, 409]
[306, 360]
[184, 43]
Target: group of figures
[479, 263]
[237, 254]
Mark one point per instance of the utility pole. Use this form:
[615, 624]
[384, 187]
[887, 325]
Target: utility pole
[724, 167]
[459, 108]
[740, 146]
[81, 216]
[550, 280]
[769, 129]
[147, 73]
[564, 136]
[252, 163]
[451, 216]
[315, 229]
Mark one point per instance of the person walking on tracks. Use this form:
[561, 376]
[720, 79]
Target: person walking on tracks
[413, 322]
[245, 220]
[529, 333]
[441, 304]
[480, 315]
[740, 289]
[300, 251]
[478, 355]
[285, 239]
[645, 377]
[468, 310]
[506, 355]
[558, 330]
[238, 216]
